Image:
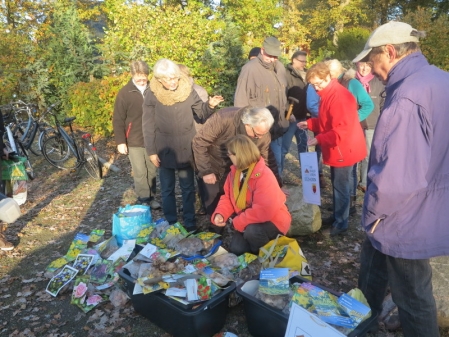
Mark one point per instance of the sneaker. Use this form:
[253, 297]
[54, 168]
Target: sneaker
[338, 231]
[4, 244]
[154, 204]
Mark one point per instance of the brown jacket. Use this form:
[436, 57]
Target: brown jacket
[263, 85]
[209, 144]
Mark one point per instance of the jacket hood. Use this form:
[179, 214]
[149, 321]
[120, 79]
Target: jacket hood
[170, 97]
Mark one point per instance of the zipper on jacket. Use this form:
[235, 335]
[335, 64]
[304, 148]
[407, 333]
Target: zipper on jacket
[128, 130]
[375, 225]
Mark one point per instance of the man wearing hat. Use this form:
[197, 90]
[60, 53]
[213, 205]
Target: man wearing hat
[263, 83]
[405, 210]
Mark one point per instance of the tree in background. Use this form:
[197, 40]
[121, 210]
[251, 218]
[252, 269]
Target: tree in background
[350, 42]
[292, 32]
[436, 44]
[256, 19]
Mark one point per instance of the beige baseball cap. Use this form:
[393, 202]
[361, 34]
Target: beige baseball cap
[392, 32]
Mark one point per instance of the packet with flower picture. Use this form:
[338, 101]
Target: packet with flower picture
[60, 280]
[96, 236]
[83, 262]
[101, 271]
[77, 246]
[83, 295]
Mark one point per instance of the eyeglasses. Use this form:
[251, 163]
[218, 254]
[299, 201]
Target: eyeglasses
[317, 85]
[140, 80]
[230, 154]
[302, 61]
[256, 135]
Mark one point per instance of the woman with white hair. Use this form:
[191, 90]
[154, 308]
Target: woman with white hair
[168, 129]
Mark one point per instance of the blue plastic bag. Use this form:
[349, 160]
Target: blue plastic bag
[129, 221]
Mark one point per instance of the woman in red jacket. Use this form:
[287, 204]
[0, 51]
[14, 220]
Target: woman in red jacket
[340, 136]
[253, 199]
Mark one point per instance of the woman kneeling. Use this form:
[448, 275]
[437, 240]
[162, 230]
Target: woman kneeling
[253, 200]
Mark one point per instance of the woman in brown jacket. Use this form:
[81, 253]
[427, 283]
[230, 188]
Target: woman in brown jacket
[168, 129]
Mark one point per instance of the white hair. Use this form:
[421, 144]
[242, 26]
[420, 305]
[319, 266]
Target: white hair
[165, 68]
[257, 116]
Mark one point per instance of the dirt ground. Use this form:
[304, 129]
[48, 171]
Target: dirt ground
[61, 204]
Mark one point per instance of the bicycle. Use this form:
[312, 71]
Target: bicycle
[67, 151]
[27, 130]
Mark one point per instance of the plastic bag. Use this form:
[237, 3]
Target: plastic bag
[129, 221]
[284, 252]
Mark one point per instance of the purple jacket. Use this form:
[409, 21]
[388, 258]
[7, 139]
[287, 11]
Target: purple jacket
[408, 176]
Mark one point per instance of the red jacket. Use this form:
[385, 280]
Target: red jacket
[264, 198]
[340, 134]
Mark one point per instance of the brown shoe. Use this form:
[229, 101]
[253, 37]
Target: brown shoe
[4, 244]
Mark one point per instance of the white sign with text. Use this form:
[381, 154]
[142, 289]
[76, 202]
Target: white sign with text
[310, 178]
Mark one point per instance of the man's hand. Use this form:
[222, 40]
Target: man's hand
[219, 220]
[214, 101]
[292, 119]
[155, 160]
[210, 178]
[122, 148]
[302, 125]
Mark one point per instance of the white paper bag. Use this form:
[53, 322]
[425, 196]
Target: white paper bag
[310, 178]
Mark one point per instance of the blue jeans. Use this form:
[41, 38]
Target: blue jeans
[369, 133]
[354, 180]
[186, 178]
[341, 178]
[320, 158]
[411, 288]
[276, 147]
[301, 141]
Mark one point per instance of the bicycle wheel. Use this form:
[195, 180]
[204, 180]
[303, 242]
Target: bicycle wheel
[45, 131]
[92, 163]
[57, 152]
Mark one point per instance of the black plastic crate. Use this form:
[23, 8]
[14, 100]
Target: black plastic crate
[266, 321]
[203, 320]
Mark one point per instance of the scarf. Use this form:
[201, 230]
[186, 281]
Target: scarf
[240, 192]
[365, 80]
[169, 97]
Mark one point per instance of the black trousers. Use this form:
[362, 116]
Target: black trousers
[254, 236]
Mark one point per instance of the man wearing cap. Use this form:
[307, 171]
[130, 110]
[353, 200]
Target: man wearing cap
[405, 210]
[263, 83]
[253, 53]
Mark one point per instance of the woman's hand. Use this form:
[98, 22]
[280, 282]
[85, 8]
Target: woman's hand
[210, 178]
[214, 101]
[312, 142]
[302, 125]
[155, 160]
[219, 220]
[122, 148]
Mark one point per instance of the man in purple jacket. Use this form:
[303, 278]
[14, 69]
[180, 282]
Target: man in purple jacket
[405, 211]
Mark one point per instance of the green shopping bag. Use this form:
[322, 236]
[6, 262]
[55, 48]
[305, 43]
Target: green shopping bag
[14, 169]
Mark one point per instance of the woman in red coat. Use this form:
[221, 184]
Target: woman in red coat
[253, 199]
[340, 136]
